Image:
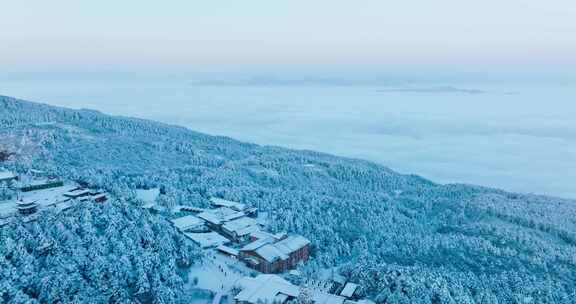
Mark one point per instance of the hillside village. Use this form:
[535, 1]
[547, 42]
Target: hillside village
[25, 196]
[244, 263]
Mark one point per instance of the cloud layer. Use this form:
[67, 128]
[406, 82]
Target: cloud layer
[475, 134]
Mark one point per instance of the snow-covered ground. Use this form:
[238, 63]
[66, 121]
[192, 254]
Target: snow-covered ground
[217, 273]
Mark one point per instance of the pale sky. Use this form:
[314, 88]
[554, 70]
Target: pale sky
[122, 57]
[72, 34]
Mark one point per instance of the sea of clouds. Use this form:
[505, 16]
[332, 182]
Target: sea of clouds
[518, 137]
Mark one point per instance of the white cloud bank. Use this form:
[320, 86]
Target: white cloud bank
[521, 142]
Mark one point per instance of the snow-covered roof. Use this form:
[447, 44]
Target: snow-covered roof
[320, 297]
[100, 196]
[147, 196]
[251, 210]
[280, 235]
[208, 239]
[219, 202]
[40, 182]
[257, 244]
[248, 230]
[228, 250]
[25, 202]
[271, 253]
[6, 175]
[266, 288]
[187, 222]
[220, 215]
[261, 235]
[179, 208]
[78, 192]
[271, 250]
[240, 224]
[292, 243]
[349, 290]
[63, 205]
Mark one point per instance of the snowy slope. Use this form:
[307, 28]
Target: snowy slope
[402, 237]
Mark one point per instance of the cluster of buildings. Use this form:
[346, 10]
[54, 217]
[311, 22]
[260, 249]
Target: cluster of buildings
[270, 288]
[23, 196]
[233, 229]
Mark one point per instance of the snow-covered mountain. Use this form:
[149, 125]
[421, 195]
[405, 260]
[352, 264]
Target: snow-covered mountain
[404, 238]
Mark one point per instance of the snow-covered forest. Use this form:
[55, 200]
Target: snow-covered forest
[93, 254]
[403, 238]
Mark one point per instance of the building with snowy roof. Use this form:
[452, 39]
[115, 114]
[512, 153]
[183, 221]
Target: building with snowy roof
[219, 202]
[273, 255]
[183, 208]
[228, 251]
[79, 192]
[266, 288]
[188, 223]
[269, 288]
[216, 217]
[27, 207]
[222, 203]
[240, 229]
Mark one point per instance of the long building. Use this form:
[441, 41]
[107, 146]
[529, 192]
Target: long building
[188, 223]
[41, 185]
[234, 225]
[216, 217]
[272, 255]
[269, 288]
